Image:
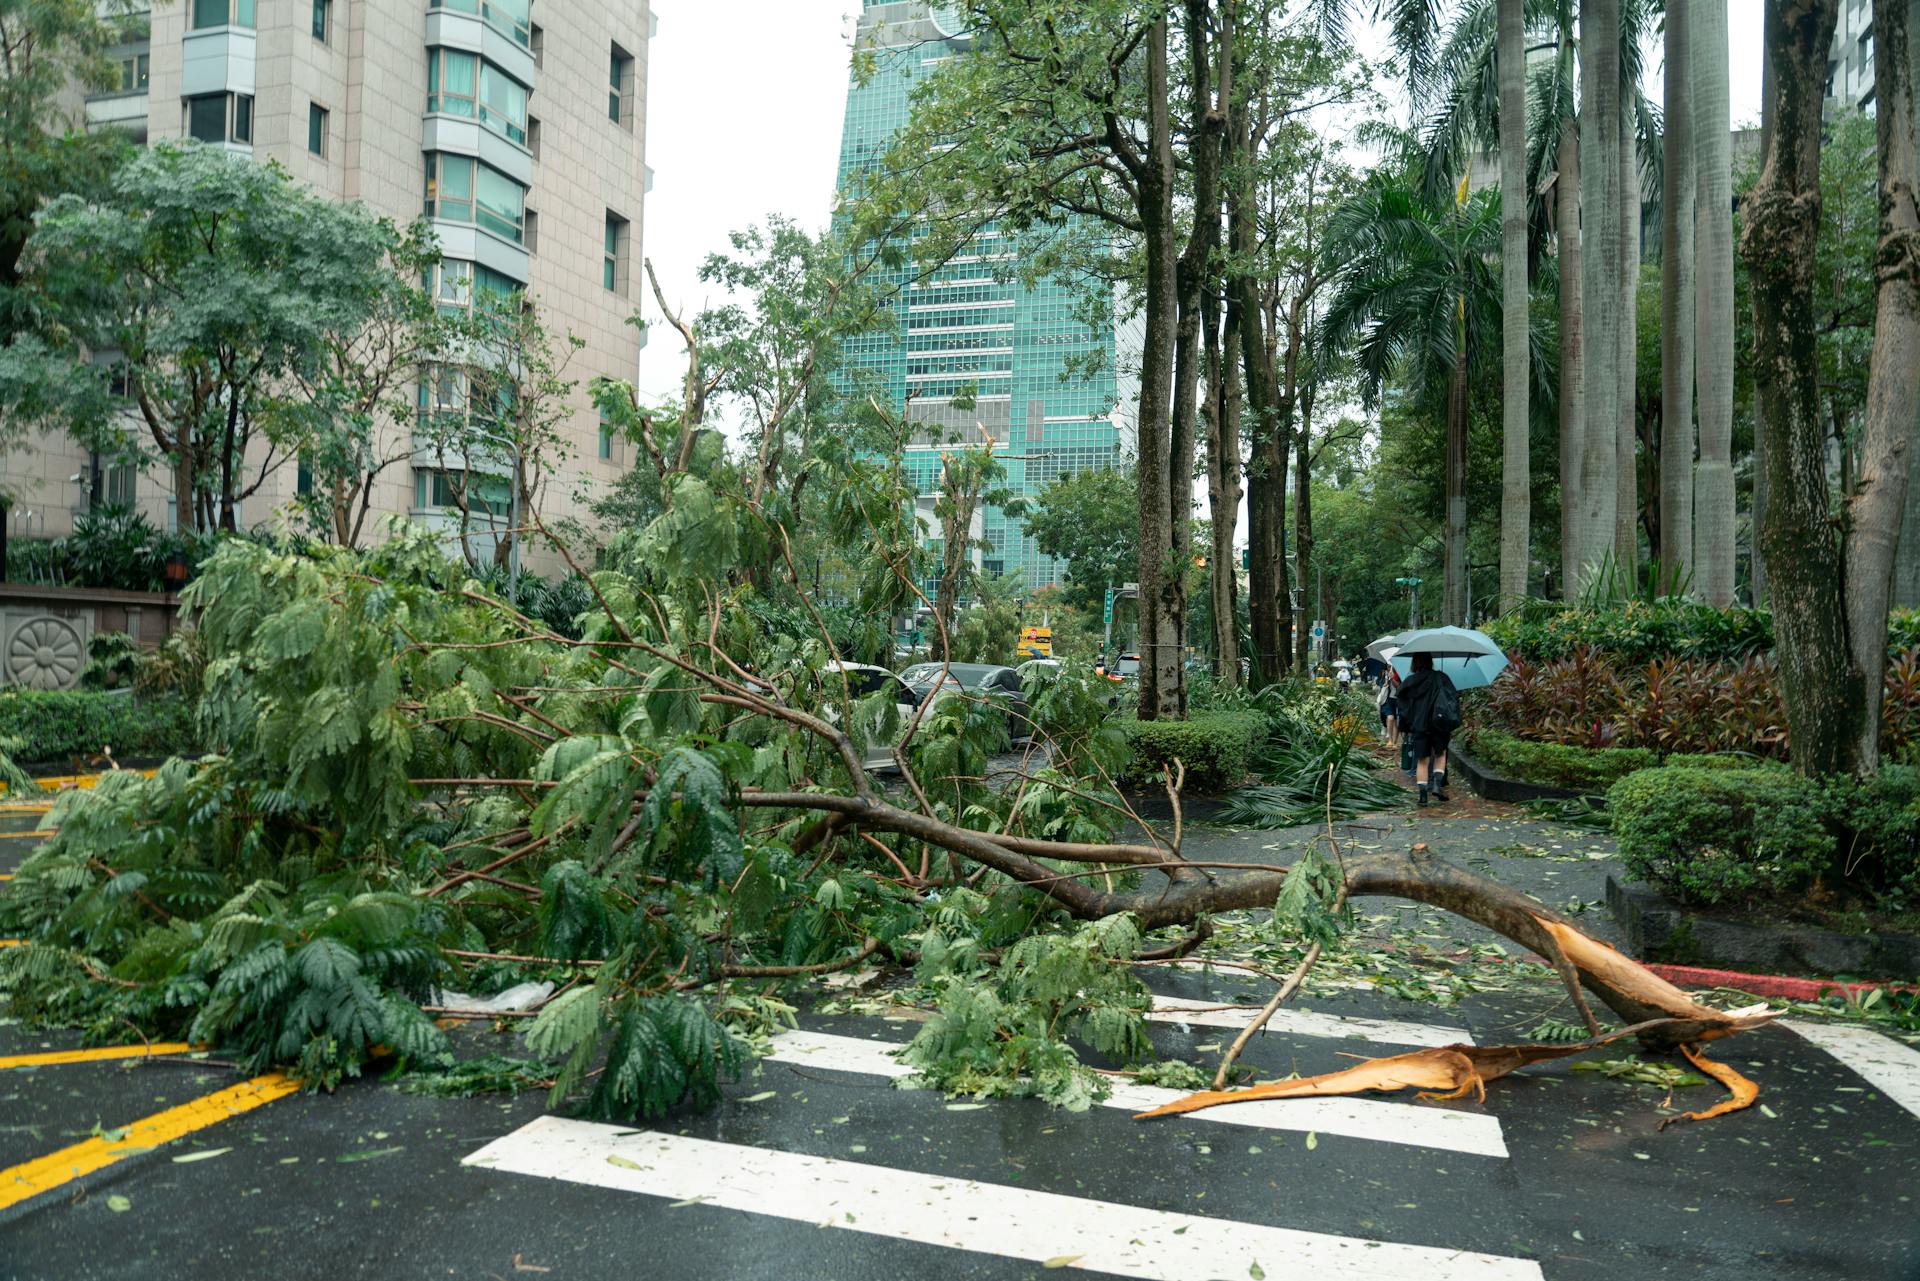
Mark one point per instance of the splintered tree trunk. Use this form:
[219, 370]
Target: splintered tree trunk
[1820, 677]
[1602, 289]
[1573, 401]
[1893, 384]
[1676, 302]
[1713, 502]
[1160, 582]
[1516, 497]
[1626, 507]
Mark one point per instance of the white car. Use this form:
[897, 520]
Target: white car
[864, 680]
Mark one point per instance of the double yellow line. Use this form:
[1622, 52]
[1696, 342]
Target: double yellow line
[43, 1174]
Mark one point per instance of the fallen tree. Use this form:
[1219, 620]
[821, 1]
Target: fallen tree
[670, 817]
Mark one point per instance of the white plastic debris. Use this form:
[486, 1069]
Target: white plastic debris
[522, 996]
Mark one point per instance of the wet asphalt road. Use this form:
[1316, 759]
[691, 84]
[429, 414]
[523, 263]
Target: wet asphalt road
[370, 1181]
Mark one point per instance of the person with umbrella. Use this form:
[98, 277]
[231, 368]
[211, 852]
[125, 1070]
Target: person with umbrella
[1439, 662]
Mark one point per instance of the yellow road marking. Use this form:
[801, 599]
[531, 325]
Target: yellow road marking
[15, 836]
[24, 807]
[94, 1055]
[13, 942]
[6, 876]
[66, 782]
[43, 1174]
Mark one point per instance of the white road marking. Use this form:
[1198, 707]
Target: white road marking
[1417, 1125]
[984, 1218]
[1173, 1009]
[1885, 1063]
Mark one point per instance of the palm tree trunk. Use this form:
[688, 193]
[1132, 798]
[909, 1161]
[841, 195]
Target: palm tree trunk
[1893, 386]
[1223, 482]
[1676, 302]
[1602, 295]
[1626, 506]
[1573, 403]
[1516, 496]
[1713, 503]
[1454, 594]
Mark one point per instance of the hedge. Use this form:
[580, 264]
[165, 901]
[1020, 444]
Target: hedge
[57, 725]
[1709, 834]
[1216, 748]
[1641, 631]
[1556, 764]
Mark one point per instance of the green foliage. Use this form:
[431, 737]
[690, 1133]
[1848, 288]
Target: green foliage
[1216, 748]
[1557, 764]
[1309, 762]
[1634, 631]
[1713, 836]
[112, 660]
[1010, 1031]
[1090, 519]
[61, 725]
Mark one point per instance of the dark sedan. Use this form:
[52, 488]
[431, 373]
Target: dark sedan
[980, 680]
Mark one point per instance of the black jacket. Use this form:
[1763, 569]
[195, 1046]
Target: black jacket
[1417, 693]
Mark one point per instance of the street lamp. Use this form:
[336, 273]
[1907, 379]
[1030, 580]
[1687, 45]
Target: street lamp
[1413, 605]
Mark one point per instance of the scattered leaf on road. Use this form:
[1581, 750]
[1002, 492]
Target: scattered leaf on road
[210, 1153]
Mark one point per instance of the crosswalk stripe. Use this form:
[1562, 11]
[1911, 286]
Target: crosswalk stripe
[962, 1214]
[1173, 1009]
[1417, 1125]
[1891, 1067]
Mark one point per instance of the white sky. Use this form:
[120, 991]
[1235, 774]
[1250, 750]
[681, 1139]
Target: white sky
[744, 105]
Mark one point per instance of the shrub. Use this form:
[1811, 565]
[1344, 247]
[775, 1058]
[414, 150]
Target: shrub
[1216, 749]
[1641, 631]
[1557, 764]
[1711, 836]
[1878, 826]
[57, 725]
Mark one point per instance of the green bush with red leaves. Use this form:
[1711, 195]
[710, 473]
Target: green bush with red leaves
[1671, 705]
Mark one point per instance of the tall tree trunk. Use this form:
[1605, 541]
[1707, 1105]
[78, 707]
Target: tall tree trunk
[1516, 492]
[1161, 579]
[1223, 483]
[1875, 510]
[1676, 302]
[1267, 455]
[1303, 521]
[1820, 679]
[1906, 563]
[1454, 600]
[1602, 291]
[1713, 501]
[1626, 506]
[1573, 401]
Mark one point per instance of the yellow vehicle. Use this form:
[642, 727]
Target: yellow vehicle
[1035, 642]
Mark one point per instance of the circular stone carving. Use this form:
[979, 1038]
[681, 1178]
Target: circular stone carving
[46, 653]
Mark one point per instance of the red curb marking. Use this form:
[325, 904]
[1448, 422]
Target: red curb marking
[1792, 989]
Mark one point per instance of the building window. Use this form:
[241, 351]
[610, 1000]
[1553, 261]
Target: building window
[222, 13]
[303, 479]
[455, 285]
[509, 16]
[620, 86]
[316, 129]
[613, 262]
[532, 237]
[452, 82]
[487, 495]
[606, 437]
[322, 10]
[461, 189]
[220, 117]
[133, 73]
[533, 136]
[538, 45]
[503, 103]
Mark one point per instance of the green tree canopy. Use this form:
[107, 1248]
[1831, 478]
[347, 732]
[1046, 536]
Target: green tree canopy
[1088, 519]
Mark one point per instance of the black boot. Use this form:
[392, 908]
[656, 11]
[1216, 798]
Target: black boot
[1423, 796]
[1440, 784]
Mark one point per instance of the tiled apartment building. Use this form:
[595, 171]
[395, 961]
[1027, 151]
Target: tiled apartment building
[517, 126]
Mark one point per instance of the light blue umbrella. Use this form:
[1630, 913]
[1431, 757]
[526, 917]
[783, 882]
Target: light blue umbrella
[1470, 659]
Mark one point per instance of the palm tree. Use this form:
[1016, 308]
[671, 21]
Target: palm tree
[1601, 288]
[1713, 511]
[1515, 321]
[1416, 295]
[1676, 302]
[1626, 504]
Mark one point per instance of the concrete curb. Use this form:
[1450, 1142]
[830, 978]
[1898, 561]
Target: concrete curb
[1497, 787]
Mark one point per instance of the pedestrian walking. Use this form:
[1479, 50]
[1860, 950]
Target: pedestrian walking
[1429, 714]
[1386, 699]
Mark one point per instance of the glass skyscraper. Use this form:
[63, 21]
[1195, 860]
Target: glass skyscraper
[973, 327]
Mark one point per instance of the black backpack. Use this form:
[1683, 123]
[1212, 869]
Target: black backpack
[1446, 707]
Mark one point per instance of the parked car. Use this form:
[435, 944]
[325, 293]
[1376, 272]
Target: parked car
[979, 680]
[863, 681]
[1128, 667]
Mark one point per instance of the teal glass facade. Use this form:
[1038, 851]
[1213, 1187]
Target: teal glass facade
[973, 327]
